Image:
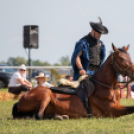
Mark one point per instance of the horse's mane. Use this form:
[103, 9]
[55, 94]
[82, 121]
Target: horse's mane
[122, 50]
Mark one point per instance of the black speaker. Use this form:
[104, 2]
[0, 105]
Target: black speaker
[30, 35]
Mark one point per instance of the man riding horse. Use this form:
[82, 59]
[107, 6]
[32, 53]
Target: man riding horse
[89, 52]
[87, 58]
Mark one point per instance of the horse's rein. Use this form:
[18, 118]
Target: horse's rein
[107, 86]
[123, 72]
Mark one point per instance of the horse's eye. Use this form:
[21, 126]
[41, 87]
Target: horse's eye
[121, 58]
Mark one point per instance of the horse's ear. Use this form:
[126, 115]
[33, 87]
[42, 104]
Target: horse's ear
[125, 48]
[128, 46]
[114, 48]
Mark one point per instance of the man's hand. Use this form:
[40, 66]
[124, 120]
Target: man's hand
[82, 72]
[28, 84]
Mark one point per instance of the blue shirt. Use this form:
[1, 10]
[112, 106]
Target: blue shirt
[82, 45]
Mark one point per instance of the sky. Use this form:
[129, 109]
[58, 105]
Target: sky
[61, 24]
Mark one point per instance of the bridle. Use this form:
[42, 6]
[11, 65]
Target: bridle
[121, 71]
[118, 70]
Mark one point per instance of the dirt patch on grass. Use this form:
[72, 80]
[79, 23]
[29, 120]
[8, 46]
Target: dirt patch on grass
[5, 96]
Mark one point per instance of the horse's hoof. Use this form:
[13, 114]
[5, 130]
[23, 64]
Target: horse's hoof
[66, 117]
[58, 117]
[39, 117]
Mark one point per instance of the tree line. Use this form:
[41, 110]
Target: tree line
[16, 61]
[63, 61]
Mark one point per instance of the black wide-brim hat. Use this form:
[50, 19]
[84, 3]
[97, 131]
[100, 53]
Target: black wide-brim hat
[98, 27]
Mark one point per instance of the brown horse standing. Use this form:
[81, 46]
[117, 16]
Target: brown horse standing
[105, 102]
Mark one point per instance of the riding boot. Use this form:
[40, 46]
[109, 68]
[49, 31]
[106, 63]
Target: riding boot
[88, 107]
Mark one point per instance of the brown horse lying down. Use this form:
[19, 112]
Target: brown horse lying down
[105, 101]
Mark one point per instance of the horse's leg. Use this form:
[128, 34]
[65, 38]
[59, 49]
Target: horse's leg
[118, 111]
[44, 103]
[96, 111]
[109, 109]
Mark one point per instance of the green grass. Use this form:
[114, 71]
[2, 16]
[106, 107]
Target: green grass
[122, 125]
[4, 90]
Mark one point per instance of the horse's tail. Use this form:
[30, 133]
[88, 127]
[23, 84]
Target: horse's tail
[15, 111]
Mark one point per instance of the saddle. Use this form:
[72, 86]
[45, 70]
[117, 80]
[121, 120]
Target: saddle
[63, 90]
[84, 86]
[84, 90]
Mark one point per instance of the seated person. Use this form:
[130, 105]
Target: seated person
[41, 81]
[68, 77]
[19, 82]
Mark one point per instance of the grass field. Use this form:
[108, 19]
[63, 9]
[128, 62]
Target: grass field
[122, 125]
[4, 90]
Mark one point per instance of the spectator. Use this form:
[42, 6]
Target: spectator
[132, 91]
[41, 81]
[68, 77]
[120, 85]
[19, 82]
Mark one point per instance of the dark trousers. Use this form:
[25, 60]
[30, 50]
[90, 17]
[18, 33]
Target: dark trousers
[17, 90]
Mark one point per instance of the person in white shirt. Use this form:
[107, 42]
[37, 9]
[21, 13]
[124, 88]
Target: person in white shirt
[41, 81]
[18, 81]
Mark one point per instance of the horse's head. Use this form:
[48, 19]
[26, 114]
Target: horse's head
[122, 62]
